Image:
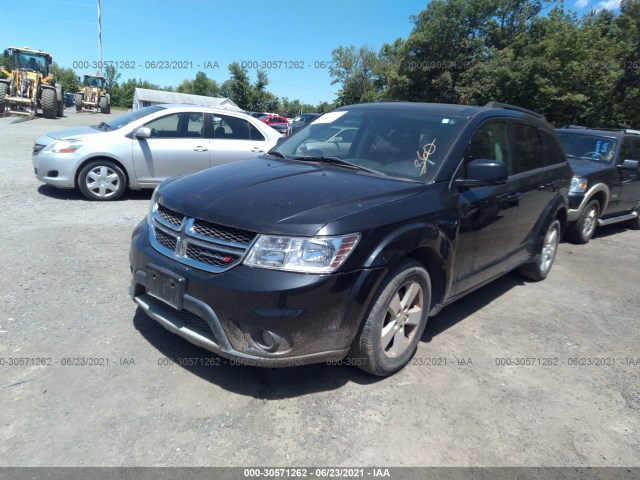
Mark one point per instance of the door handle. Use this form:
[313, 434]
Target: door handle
[257, 150]
[514, 197]
[201, 149]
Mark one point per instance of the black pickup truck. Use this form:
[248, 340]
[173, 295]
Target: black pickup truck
[605, 188]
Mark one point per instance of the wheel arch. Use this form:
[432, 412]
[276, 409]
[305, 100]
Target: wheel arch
[424, 243]
[102, 157]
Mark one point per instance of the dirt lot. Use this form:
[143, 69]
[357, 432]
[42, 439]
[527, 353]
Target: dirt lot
[150, 401]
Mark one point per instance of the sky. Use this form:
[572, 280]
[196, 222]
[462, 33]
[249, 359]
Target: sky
[293, 39]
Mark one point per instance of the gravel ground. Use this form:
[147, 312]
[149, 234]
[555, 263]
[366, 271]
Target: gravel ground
[155, 400]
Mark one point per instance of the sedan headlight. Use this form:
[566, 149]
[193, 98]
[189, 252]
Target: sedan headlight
[578, 185]
[65, 146]
[301, 254]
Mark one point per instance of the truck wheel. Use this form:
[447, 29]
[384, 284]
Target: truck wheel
[102, 180]
[104, 104]
[49, 103]
[396, 321]
[540, 267]
[60, 98]
[4, 88]
[584, 227]
[634, 223]
[78, 99]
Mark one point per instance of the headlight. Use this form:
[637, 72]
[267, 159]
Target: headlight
[301, 254]
[578, 185]
[153, 205]
[65, 146]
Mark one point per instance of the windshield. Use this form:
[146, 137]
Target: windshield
[97, 82]
[127, 118]
[403, 144]
[30, 61]
[588, 147]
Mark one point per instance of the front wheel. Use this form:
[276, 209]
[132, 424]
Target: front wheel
[541, 266]
[584, 227]
[390, 334]
[102, 180]
[49, 103]
[4, 88]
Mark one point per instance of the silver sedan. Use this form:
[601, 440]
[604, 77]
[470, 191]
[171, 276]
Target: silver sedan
[143, 147]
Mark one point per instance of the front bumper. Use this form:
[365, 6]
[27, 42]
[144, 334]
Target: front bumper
[257, 316]
[576, 203]
[57, 169]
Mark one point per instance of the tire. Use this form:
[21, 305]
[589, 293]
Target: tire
[104, 104]
[60, 98]
[582, 230]
[634, 223]
[4, 88]
[538, 269]
[49, 103]
[401, 305]
[102, 180]
[79, 98]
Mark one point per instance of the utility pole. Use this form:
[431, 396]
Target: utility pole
[99, 39]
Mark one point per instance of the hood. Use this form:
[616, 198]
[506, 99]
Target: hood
[71, 133]
[583, 167]
[275, 196]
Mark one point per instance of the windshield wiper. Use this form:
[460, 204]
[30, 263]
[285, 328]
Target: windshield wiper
[341, 163]
[104, 126]
[275, 153]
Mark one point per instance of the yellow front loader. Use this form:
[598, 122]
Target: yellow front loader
[28, 85]
[93, 97]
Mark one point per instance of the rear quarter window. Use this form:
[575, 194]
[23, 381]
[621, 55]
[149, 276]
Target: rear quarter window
[529, 152]
[555, 153]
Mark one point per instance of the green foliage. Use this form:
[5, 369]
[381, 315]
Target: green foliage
[67, 77]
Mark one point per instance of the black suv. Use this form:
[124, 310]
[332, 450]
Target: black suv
[303, 256]
[606, 185]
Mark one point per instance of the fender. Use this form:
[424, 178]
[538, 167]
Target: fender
[588, 195]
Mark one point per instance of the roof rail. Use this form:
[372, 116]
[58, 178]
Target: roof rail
[628, 131]
[386, 100]
[506, 106]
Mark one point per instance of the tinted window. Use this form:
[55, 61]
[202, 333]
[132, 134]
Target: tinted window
[231, 128]
[636, 149]
[490, 142]
[555, 154]
[255, 133]
[529, 153]
[626, 152]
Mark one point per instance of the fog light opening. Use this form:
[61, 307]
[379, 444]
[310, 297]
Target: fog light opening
[266, 340]
[52, 173]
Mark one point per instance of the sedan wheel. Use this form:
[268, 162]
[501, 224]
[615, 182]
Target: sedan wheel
[102, 180]
[396, 321]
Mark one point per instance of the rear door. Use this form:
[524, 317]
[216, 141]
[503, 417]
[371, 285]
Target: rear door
[176, 146]
[234, 138]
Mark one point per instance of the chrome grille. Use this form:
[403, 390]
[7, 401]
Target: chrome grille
[170, 216]
[228, 234]
[167, 241]
[197, 243]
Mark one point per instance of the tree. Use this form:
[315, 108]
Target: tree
[238, 87]
[111, 76]
[201, 85]
[67, 77]
[354, 69]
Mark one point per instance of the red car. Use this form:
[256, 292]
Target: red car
[277, 122]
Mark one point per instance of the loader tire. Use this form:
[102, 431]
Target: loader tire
[4, 88]
[49, 103]
[79, 98]
[105, 106]
[60, 98]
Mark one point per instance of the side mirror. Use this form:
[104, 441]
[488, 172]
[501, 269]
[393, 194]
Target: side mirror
[483, 172]
[143, 132]
[629, 165]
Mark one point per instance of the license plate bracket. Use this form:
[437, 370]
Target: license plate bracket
[165, 285]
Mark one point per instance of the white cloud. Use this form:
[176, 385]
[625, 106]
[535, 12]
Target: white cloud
[608, 4]
[582, 3]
